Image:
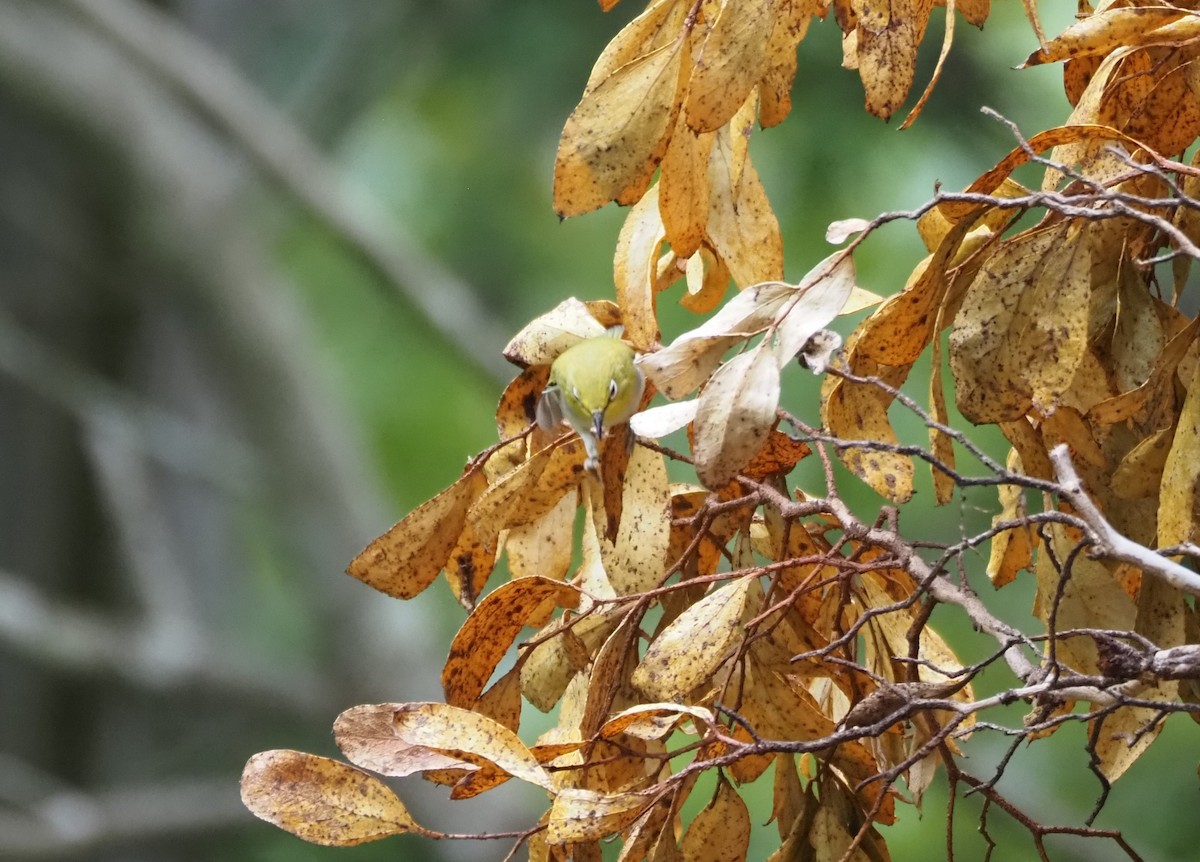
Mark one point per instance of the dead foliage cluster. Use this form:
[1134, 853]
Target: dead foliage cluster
[738, 625]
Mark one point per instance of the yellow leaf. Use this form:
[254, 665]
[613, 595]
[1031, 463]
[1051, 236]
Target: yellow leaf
[531, 490]
[617, 131]
[1102, 32]
[635, 266]
[1022, 329]
[858, 411]
[775, 89]
[609, 675]
[647, 830]
[578, 814]
[732, 59]
[1158, 388]
[720, 832]
[550, 668]
[658, 24]
[638, 557]
[1092, 598]
[1140, 472]
[1177, 515]
[691, 358]
[542, 340]
[321, 800]
[407, 558]
[707, 280]
[654, 720]
[1012, 550]
[889, 32]
[697, 642]
[683, 189]
[366, 736]
[735, 413]
[741, 225]
[462, 733]
[544, 547]
[941, 445]
[490, 630]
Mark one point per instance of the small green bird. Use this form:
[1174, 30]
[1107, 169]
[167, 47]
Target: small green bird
[593, 386]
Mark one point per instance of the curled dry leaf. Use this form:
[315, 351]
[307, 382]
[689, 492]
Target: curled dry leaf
[655, 720]
[321, 800]
[819, 298]
[720, 832]
[840, 231]
[578, 814]
[742, 227]
[490, 630]
[366, 736]
[635, 265]
[543, 339]
[658, 422]
[735, 413]
[407, 558]
[468, 735]
[1105, 31]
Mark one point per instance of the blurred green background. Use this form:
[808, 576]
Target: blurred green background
[257, 262]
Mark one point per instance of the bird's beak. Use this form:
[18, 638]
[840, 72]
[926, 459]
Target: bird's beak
[598, 424]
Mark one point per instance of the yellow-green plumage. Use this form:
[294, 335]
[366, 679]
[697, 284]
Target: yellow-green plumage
[593, 386]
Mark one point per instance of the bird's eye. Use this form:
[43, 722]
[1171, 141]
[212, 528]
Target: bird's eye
[612, 390]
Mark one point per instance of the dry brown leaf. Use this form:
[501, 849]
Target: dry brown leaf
[466, 734]
[733, 58]
[542, 340]
[1092, 598]
[742, 228]
[531, 490]
[1022, 329]
[683, 189]
[637, 559]
[658, 24]
[858, 411]
[698, 641]
[578, 814]
[490, 630]
[647, 830]
[1139, 475]
[734, 414]
[407, 558]
[365, 735]
[1107, 30]
[819, 297]
[1177, 510]
[1012, 550]
[635, 265]
[544, 547]
[707, 279]
[690, 359]
[889, 34]
[617, 133]
[720, 832]
[775, 88]
[321, 800]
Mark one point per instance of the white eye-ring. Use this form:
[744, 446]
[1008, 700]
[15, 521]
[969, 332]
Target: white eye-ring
[612, 389]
